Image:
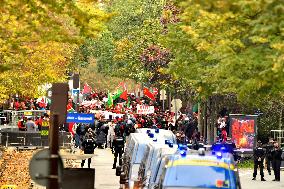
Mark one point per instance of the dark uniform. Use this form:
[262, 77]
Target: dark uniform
[88, 146]
[118, 146]
[269, 147]
[276, 162]
[258, 155]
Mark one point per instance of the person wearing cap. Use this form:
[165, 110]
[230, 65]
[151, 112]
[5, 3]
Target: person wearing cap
[259, 155]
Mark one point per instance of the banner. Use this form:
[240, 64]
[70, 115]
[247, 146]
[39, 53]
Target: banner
[80, 118]
[44, 128]
[243, 130]
[143, 109]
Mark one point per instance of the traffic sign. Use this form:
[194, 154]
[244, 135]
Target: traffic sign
[80, 118]
[176, 105]
[39, 167]
[163, 94]
[75, 92]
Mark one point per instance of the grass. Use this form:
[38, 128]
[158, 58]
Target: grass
[246, 164]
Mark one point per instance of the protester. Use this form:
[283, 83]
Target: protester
[22, 124]
[88, 146]
[30, 125]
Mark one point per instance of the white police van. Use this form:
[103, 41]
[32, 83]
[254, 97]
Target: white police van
[135, 149]
[151, 160]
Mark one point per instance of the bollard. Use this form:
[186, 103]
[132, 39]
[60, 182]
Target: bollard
[7, 137]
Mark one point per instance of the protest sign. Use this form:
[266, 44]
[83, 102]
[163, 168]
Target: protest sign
[143, 109]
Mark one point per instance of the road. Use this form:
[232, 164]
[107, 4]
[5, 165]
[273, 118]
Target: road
[248, 183]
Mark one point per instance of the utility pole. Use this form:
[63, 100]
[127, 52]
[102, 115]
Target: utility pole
[58, 111]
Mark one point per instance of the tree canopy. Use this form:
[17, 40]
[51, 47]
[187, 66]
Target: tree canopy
[230, 47]
[37, 39]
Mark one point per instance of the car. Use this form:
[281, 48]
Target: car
[197, 170]
[151, 159]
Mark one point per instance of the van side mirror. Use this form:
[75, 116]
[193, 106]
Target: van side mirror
[156, 186]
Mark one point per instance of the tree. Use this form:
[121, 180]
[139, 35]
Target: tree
[37, 38]
[229, 46]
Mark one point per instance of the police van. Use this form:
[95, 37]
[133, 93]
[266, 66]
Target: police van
[134, 152]
[151, 159]
[197, 169]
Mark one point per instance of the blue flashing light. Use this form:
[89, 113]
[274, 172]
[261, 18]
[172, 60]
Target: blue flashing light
[167, 141]
[219, 155]
[157, 130]
[151, 135]
[148, 131]
[171, 145]
[183, 153]
[223, 149]
[182, 147]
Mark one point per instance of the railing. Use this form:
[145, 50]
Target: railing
[24, 138]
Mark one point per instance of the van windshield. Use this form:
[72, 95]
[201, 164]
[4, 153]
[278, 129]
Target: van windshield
[200, 177]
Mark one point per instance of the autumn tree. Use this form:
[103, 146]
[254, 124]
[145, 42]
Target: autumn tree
[37, 40]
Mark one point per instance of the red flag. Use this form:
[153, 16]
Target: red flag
[148, 94]
[123, 95]
[87, 89]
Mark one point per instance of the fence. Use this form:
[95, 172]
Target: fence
[24, 138]
[12, 117]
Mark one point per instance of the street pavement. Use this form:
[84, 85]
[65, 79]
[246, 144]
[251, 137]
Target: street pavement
[248, 183]
[105, 176]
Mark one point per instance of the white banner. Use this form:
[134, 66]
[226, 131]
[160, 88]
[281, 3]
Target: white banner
[143, 109]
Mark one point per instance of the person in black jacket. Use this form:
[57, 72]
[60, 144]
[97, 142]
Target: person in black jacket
[276, 161]
[269, 147]
[88, 146]
[258, 155]
[118, 147]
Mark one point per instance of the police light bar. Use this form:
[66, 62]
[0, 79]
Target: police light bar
[151, 135]
[183, 153]
[157, 130]
[171, 145]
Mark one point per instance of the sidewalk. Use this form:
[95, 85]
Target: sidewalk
[247, 183]
[105, 175]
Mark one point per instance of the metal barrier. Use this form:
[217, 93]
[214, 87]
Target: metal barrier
[13, 117]
[24, 138]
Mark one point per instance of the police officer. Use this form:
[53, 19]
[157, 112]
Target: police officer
[269, 147]
[88, 146]
[258, 155]
[118, 147]
[276, 161]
